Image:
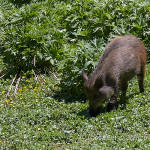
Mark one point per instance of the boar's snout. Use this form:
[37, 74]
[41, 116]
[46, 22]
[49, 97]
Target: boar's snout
[94, 112]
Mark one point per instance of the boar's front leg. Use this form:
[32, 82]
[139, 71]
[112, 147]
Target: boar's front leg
[124, 89]
[112, 104]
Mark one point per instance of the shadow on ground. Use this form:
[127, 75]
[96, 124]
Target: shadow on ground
[125, 100]
[86, 113]
[122, 102]
[19, 3]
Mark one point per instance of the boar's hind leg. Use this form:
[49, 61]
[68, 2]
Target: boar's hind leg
[124, 90]
[140, 77]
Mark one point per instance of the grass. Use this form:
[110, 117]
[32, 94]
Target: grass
[70, 35]
[35, 120]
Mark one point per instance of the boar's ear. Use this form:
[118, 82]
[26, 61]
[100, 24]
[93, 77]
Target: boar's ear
[85, 77]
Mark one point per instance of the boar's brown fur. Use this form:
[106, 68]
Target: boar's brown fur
[123, 58]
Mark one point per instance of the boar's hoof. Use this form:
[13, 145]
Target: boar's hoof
[112, 106]
[94, 112]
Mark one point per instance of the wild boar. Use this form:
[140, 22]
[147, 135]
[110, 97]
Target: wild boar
[123, 58]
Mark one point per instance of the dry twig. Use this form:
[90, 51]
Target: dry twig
[16, 87]
[43, 78]
[58, 80]
[8, 93]
[4, 74]
[36, 77]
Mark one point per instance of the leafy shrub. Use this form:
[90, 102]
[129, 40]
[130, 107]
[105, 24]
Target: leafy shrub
[29, 36]
[67, 36]
[102, 20]
[81, 55]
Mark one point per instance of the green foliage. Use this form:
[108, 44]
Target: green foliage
[67, 35]
[79, 56]
[28, 37]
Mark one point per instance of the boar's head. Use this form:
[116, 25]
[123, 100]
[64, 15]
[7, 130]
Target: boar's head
[97, 93]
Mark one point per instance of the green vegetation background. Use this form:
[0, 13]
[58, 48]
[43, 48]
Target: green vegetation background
[66, 35]
[61, 37]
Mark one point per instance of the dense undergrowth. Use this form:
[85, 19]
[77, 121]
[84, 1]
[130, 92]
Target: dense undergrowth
[66, 36]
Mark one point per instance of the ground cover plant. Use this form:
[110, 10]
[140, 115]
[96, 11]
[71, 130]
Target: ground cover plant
[43, 47]
[35, 120]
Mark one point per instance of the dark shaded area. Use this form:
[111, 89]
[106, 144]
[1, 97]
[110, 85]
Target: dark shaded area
[87, 115]
[112, 107]
[68, 97]
[124, 100]
[121, 102]
[19, 3]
